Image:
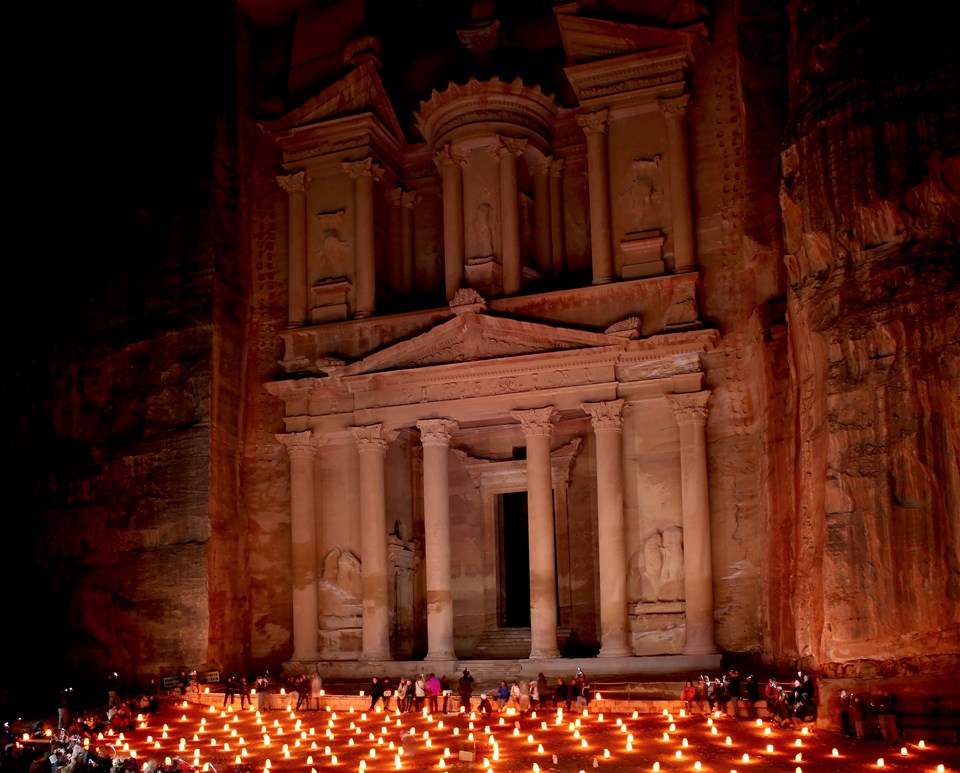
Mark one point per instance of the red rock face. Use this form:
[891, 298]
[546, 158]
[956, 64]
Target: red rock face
[869, 200]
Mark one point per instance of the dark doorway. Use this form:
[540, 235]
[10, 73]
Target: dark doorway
[514, 572]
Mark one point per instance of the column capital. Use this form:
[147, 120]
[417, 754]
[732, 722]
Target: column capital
[293, 183]
[370, 438]
[446, 157]
[436, 432]
[365, 167]
[299, 445]
[605, 416]
[593, 123]
[674, 107]
[537, 421]
[690, 408]
[509, 146]
[541, 166]
[394, 196]
[556, 167]
[408, 199]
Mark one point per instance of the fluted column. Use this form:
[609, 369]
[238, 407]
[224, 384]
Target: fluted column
[408, 200]
[542, 236]
[607, 421]
[450, 165]
[537, 427]
[435, 437]
[296, 189]
[594, 126]
[690, 411]
[372, 448]
[507, 151]
[303, 543]
[557, 236]
[364, 173]
[681, 197]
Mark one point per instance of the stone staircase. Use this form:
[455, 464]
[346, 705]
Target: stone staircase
[511, 643]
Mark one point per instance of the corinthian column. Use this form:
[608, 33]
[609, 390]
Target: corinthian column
[690, 411]
[607, 422]
[681, 199]
[408, 200]
[435, 437]
[537, 427]
[594, 126]
[303, 544]
[542, 236]
[364, 173]
[451, 175]
[557, 239]
[296, 188]
[372, 448]
[508, 150]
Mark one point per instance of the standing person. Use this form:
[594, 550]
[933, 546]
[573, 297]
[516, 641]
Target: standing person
[887, 716]
[402, 688]
[316, 690]
[387, 692]
[845, 712]
[858, 713]
[303, 693]
[524, 699]
[229, 688]
[733, 690]
[445, 692]
[772, 693]
[420, 691]
[244, 693]
[503, 695]
[261, 687]
[433, 692]
[184, 681]
[753, 696]
[687, 694]
[543, 689]
[376, 692]
[561, 694]
[702, 696]
[465, 688]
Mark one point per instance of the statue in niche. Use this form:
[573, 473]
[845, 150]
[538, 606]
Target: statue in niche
[658, 568]
[644, 193]
[333, 252]
[483, 230]
[341, 570]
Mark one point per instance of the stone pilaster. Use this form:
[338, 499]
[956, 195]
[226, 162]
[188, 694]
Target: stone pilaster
[690, 411]
[594, 126]
[295, 186]
[507, 151]
[681, 197]
[364, 173]
[607, 421]
[450, 165]
[408, 200]
[372, 448]
[558, 244]
[537, 425]
[542, 234]
[435, 437]
[303, 543]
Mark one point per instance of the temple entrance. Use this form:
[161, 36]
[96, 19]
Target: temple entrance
[514, 561]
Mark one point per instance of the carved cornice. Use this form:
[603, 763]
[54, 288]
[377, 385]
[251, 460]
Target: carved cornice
[299, 445]
[605, 416]
[593, 123]
[363, 168]
[536, 421]
[293, 183]
[370, 438]
[690, 408]
[509, 146]
[436, 432]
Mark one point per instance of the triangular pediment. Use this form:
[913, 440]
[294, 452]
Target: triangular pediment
[475, 337]
[359, 91]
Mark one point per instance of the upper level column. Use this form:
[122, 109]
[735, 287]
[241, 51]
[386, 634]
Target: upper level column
[450, 165]
[296, 188]
[594, 126]
[681, 198]
[690, 411]
[607, 421]
[408, 200]
[557, 235]
[372, 447]
[435, 437]
[507, 151]
[303, 544]
[364, 173]
[542, 234]
[537, 427]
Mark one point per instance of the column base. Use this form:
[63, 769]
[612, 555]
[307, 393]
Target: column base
[602, 280]
[544, 654]
[615, 651]
[375, 657]
[700, 650]
[362, 314]
[432, 656]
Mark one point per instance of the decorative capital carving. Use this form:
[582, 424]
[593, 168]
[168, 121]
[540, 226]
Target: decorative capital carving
[605, 416]
[363, 168]
[370, 438]
[556, 167]
[436, 432]
[299, 445]
[674, 107]
[691, 407]
[593, 123]
[446, 158]
[393, 196]
[467, 300]
[538, 421]
[541, 166]
[509, 146]
[408, 199]
[293, 183]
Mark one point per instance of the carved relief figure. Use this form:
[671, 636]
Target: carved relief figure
[483, 230]
[645, 193]
[658, 568]
[333, 253]
[341, 569]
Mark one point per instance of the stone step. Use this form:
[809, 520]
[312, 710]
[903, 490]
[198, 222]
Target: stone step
[511, 643]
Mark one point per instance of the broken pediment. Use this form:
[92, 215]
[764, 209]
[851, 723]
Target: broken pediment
[472, 337]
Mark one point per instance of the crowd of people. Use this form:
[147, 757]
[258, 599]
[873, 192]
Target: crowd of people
[736, 697]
